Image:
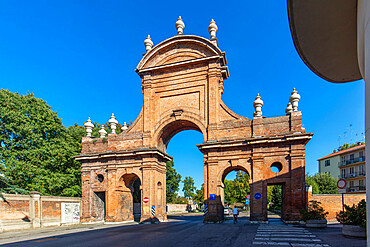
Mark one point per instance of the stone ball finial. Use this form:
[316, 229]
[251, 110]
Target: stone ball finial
[124, 126]
[180, 26]
[89, 126]
[294, 99]
[289, 109]
[113, 123]
[257, 104]
[148, 43]
[212, 29]
[102, 132]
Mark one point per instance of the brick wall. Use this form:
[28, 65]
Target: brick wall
[30, 211]
[333, 203]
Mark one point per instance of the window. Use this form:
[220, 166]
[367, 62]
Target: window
[361, 154]
[343, 158]
[361, 169]
[352, 157]
[361, 183]
[327, 162]
[351, 170]
[343, 173]
[351, 184]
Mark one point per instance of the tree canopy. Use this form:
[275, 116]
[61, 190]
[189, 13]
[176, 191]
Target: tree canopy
[237, 190]
[322, 183]
[36, 150]
[173, 180]
[199, 196]
[189, 187]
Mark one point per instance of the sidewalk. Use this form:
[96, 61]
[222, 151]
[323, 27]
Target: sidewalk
[29, 234]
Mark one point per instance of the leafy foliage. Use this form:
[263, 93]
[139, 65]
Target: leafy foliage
[346, 146]
[36, 150]
[173, 180]
[274, 196]
[199, 196]
[314, 211]
[237, 190]
[311, 181]
[326, 184]
[189, 187]
[7, 187]
[355, 215]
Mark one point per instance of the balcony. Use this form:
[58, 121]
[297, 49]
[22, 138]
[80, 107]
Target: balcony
[353, 175]
[349, 162]
[356, 189]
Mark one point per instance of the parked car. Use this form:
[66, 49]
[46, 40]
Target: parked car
[228, 211]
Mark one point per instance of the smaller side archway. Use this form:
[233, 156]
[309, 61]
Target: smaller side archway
[129, 198]
[233, 193]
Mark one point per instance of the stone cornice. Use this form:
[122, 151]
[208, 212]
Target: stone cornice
[256, 141]
[126, 153]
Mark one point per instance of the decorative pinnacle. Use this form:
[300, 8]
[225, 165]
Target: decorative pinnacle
[102, 132]
[148, 43]
[289, 109]
[89, 126]
[113, 123]
[180, 26]
[294, 99]
[212, 29]
[124, 126]
[257, 104]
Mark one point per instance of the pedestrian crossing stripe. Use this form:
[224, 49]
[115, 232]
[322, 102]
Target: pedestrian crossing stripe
[286, 236]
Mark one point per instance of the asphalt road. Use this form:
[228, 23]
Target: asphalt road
[179, 231]
[187, 230]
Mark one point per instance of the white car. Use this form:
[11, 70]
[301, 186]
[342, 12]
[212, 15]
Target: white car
[227, 211]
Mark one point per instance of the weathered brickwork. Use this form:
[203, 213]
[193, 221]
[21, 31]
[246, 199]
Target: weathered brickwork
[182, 82]
[24, 211]
[333, 203]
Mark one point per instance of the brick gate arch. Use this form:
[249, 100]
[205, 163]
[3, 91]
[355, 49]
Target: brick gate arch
[182, 82]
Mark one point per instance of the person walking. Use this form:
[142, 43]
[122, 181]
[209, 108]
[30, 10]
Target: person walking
[235, 215]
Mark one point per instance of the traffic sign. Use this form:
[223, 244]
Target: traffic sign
[341, 184]
[257, 196]
[247, 201]
[212, 197]
[248, 197]
[341, 191]
[146, 200]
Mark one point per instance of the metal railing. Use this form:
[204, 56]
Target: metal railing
[356, 188]
[349, 162]
[353, 175]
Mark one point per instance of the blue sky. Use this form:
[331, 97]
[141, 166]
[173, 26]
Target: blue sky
[80, 57]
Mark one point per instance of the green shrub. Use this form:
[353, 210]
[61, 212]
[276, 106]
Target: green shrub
[313, 212]
[355, 215]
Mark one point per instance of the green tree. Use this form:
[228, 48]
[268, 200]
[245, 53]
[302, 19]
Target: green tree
[199, 196]
[310, 180]
[189, 187]
[237, 190]
[173, 180]
[327, 183]
[36, 150]
[276, 196]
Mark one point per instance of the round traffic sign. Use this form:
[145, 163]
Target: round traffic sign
[248, 196]
[341, 184]
[257, 196]
[146, 200]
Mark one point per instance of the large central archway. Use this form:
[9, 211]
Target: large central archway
[182, 82]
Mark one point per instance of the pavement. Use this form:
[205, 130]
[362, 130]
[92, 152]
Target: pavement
[183, 230]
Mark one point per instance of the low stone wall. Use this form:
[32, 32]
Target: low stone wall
[332, 203]
[178, 208]
[32, 211]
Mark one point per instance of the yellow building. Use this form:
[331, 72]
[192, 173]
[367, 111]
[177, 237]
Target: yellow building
[348, 164]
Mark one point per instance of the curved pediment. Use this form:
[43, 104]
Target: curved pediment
[180, 48]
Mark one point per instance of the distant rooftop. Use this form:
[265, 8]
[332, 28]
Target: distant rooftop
[343, 151]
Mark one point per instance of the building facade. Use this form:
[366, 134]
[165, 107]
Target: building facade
[348, 164]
